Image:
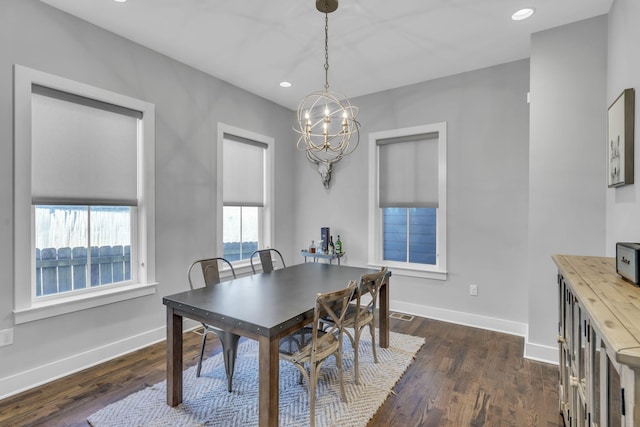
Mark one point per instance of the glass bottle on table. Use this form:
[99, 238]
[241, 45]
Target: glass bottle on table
[312, 247]
[332, 247]
[338, 245]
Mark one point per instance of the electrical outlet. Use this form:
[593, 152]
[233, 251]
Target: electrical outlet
[6, 337]
[473, 290]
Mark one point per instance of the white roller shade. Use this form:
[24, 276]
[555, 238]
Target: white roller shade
[243, 171]
[83, 151]
[408, 171]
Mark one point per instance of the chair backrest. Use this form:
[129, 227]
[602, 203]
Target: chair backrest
[370, 283]
[332, 305]
[266, 259]
[210, 271]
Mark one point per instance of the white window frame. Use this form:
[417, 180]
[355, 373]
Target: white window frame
[27, 308]
[266, 220]
[439, 270]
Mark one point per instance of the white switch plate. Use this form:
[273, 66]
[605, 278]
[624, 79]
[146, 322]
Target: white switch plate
[473, 290]
[6, 337]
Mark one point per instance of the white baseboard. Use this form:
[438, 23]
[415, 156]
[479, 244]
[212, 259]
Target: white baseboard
[25, 380]
[461, 318]
[531, 351]
[541, 353]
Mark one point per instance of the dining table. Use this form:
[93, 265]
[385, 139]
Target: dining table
[264, 307]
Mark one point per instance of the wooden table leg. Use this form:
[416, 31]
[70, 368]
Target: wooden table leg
[384, 314]
[269, 359]
[174, 358]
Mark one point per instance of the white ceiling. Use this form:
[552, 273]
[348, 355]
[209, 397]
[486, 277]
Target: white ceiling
[373, 44]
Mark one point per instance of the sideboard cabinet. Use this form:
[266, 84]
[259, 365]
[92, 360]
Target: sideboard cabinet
[598, 343]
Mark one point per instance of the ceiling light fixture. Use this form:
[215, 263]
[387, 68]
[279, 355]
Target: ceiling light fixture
[523, 14]
[327, 120]
[285, 84]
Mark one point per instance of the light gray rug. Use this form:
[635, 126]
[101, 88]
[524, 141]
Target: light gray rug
[206, 401]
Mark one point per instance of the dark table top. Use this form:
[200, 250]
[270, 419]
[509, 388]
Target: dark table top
[266, 303]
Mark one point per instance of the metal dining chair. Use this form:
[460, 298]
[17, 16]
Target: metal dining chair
[311, 346]
[211, 276]
[266, 259]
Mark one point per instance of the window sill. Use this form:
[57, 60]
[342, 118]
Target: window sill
[242, 268]
[75, 303]
[407, 271]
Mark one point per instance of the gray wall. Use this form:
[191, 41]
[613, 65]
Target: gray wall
[566, 162]
[623, 71]
[189, 104]
[487, 117]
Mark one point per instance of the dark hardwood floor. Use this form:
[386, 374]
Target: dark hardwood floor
[461, 377]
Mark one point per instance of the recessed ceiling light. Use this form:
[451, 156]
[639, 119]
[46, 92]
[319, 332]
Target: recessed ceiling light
[523, 14]
[120, 1]
[285, 84]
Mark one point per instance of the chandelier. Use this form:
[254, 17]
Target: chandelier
[327, 121]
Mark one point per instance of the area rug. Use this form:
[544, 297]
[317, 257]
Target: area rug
[206, 401]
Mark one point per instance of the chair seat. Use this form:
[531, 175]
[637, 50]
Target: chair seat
[365, 316]
[296, 347]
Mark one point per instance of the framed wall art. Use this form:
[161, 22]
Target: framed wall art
[620, 119]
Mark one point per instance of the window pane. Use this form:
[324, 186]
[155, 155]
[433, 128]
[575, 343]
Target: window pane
[395, 234]
[231, 232]
[410, 235]
[61, 248]
[240, 231]
[422, 235]
[249, 230]
[62, 245]
[110, 244]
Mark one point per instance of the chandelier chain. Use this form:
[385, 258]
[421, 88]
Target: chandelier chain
[326, 51]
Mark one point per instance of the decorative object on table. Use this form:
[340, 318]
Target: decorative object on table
[205, 403]
[211, 277]
[620, 141]
[324, 238]
[628, 261]
[327, 120]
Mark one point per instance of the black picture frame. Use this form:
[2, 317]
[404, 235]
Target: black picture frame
[620, 139]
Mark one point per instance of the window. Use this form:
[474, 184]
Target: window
[244, 189]
[407, 213]
[84, 196]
